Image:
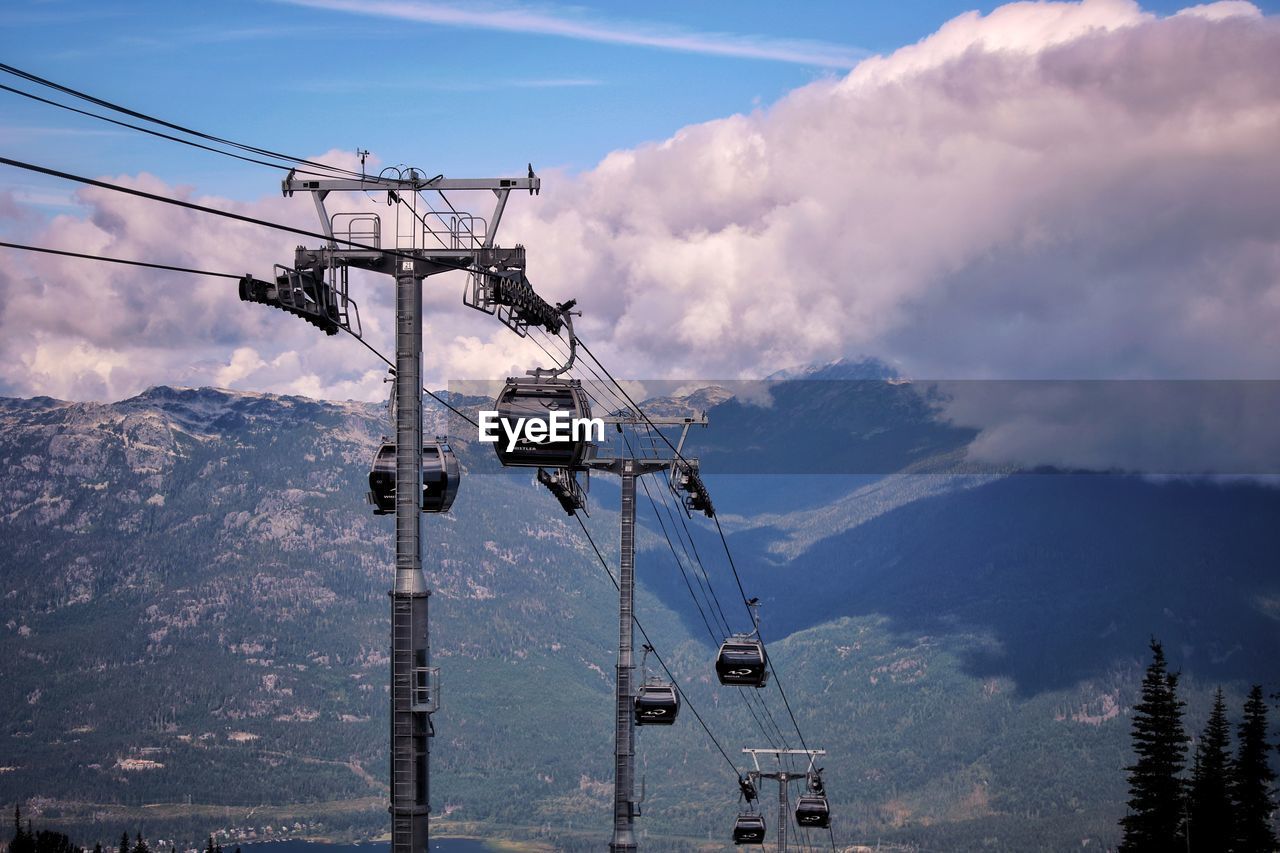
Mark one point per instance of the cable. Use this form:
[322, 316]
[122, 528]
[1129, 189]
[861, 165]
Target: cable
[157, 133]
[710, 632]
[239, 217]
[604, 565]
[189, 205]
[684, 576]
[689, 547]
[772, 669]
[265, 152]
[725, 542]
[276, 226]
[147, 264]
[125, 261]
[746, 695]
[303, 232]
[430, 394]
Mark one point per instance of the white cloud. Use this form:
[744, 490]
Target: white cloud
[1051, 190]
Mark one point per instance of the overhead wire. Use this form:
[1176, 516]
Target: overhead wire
[253, 149]
[746, 696]
[173, 268]
[190, 205]
[125, 261]
[719, 528]
[768, 713]
[687, 543]
[159, 134]
[756, 717]
[769, 737]
[710, 632]
[684, 695]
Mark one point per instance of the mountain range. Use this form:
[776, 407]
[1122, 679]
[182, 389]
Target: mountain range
[195, 621]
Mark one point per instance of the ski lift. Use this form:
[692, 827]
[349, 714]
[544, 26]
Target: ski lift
[812, 811]
[440, 477]
[748, 828]
[742, 660]
[536, 399]
[658, 702]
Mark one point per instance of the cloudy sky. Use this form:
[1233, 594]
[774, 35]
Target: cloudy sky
[1034, 190]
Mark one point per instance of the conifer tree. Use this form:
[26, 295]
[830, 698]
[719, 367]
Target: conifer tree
[23, 841]
[124, 843]
[1253, 777]
[1155, 819]
[1211, 784]
[139, 846]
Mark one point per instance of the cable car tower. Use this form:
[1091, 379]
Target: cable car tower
[628, 468]
[812, 811]
[429, 236]
[558, 464]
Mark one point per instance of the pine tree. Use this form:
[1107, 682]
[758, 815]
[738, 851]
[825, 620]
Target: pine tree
[1212, 781]
[139, 846]
[1252, 792]
[1154, 821]
[124, 843]
[23, 841]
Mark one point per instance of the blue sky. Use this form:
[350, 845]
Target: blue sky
[473, 98]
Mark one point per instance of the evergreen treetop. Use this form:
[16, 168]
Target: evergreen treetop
[1212, 781]
[1155, 818]
[1253, 777]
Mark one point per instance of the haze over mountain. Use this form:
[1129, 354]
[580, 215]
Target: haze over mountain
[193, 596]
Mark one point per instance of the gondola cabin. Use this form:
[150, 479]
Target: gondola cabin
[440, 478]
[812, 811]
[537, 399]
[748, 828]
[742, 662]
[657, 703]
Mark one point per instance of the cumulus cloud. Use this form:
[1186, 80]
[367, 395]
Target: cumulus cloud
[1051, 190]
[1071, 190]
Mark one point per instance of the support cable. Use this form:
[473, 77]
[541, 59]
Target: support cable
[687, 544]
[265, 152]
[237, 276]
[604, 565]
[47, 251]
[725, 542]
[239, 217]
[764, 730]
[160, 135]
[710, 632]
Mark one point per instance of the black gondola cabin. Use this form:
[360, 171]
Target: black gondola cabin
[743, 662]
[531, 399]
[748, 828]
[657, 703]
[440, 478]
[812, 811]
